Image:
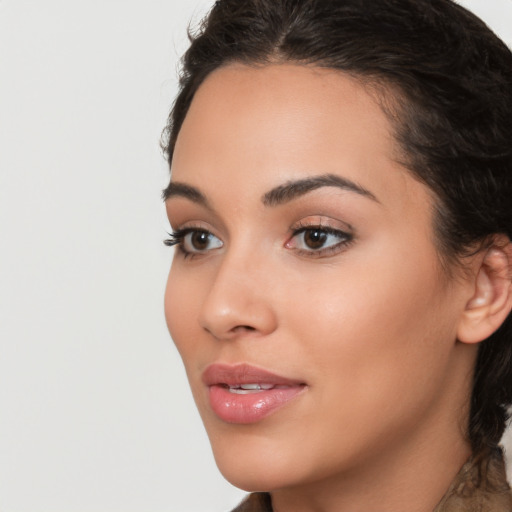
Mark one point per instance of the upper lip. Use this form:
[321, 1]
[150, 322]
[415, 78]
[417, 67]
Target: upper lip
[232, 375]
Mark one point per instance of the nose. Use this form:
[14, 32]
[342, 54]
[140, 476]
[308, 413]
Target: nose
[239, 301]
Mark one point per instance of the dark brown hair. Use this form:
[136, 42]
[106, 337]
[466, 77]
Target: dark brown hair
[448, 79]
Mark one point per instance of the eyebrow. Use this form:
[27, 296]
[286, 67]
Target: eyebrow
[278, 195]
[293, 189]
[177, 189]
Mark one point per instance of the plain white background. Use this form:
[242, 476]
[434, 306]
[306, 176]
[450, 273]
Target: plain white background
[95, 412]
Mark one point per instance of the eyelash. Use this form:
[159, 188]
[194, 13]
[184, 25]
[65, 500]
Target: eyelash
[177, 239]
[345, 239]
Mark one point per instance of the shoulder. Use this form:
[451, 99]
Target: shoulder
[255, 502]
[481, 485]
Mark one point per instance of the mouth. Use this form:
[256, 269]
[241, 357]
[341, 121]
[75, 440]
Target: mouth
[246, 389]
[246, 394]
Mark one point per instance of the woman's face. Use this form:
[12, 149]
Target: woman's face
[306, 296]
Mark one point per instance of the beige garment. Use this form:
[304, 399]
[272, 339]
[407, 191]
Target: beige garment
[480, 486]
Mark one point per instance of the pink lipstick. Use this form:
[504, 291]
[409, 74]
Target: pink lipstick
[246, 394]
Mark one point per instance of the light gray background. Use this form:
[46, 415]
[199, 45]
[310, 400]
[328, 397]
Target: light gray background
[95, 412]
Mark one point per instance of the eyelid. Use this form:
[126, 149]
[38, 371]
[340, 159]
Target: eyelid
[323, 222]
[194, 225]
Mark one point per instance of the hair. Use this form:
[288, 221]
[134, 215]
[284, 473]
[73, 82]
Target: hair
[445, 81]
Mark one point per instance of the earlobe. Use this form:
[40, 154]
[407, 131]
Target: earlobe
[491, 301]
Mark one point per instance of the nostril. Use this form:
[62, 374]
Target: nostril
[243, 328]
[235, 331]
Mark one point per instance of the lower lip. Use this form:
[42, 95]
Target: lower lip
[251, 407]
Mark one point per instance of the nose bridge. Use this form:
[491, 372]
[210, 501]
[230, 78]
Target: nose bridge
[239, 299]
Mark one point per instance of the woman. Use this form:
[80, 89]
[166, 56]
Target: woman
[341, 291]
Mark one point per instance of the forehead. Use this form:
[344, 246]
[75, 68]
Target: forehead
[256, 127]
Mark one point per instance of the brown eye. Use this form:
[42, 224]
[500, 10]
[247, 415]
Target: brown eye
[199, 241]
[314, 238]
[319, 241]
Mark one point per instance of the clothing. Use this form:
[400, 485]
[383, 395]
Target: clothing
[480, 486]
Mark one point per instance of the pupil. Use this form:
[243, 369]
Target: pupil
[200, 240]
[315, 238]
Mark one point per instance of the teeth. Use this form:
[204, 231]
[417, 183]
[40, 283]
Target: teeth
[243, 389]
[250, 386]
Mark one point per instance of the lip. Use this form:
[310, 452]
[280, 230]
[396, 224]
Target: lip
[235, 405]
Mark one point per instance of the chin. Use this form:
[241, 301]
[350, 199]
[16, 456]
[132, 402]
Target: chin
[258, 459]
[255, 476]
[254, 462]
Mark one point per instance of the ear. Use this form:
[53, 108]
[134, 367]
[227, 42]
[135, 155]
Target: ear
[491, 301]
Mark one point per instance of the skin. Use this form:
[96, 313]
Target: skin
[370, 326]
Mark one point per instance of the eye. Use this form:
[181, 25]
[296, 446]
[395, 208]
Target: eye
[318, 240]
[192, 241]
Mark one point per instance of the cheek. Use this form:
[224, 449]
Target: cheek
[180, 297]
[183, 295]
[373, 335]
